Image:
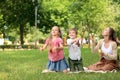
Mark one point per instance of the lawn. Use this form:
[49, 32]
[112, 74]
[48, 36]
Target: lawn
[28, 65]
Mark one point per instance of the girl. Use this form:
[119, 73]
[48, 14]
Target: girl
[108, 51]
[56, 57]
[74, 59]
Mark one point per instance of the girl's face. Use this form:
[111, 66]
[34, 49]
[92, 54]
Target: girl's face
[106, 32]
[55, 31]
[72, 34]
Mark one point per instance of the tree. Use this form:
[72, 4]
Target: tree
[52, 12]
[117, 3]
[2, 23]
[94, 15]
[18, 13]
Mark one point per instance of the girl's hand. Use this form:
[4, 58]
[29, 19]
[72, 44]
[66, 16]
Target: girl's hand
[54, 49]
[41, 48]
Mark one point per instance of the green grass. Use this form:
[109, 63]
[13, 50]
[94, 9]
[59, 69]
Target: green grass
[28, 64]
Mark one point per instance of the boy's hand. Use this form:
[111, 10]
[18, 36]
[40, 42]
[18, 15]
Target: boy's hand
[77, 39]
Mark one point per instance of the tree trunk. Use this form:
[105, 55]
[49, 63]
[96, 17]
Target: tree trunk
[88, 36]
[21, 34]
[88, 26]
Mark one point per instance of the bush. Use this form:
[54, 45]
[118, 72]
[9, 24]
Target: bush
[17, 46]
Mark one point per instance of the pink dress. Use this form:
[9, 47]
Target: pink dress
[56, 55]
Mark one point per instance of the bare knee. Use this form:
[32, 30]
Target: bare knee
[65, 71]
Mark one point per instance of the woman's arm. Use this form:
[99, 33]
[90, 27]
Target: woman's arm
[118, 41]
[114, 54]
[94, 47]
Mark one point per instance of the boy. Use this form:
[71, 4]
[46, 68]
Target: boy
[74, 59]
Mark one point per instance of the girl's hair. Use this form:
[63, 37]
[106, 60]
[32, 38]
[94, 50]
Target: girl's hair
[60, 34]
[73, 29]
[112, 35]
[50, 37]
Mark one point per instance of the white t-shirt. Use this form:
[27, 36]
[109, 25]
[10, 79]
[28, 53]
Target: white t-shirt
[74, 50]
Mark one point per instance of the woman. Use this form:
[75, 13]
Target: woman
[107, 48]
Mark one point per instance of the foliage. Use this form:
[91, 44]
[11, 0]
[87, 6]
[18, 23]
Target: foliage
[4, 47]
[18, 13]
[88, 16]
[35, 34]
[94, 15]
[51, 14]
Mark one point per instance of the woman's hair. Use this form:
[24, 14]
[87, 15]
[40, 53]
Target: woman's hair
[112, 35]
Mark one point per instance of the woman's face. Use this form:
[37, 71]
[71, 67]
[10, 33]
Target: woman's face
[106, 32]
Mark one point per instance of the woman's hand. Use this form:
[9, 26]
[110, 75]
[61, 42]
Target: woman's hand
[101, 53]
[92, 38]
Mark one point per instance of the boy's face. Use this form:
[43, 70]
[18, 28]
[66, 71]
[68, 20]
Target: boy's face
[72, 34]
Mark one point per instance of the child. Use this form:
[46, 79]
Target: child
[56, 56]
[74, 59]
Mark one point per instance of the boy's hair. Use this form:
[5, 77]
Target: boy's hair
[73, 29]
